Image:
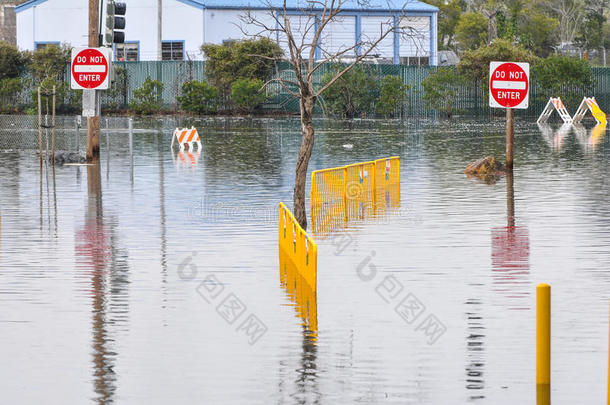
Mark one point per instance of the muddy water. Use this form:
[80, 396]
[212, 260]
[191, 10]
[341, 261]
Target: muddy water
[139, 281]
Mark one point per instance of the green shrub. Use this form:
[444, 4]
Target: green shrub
[441, 89]
[50, 62]
[352, 94]
[147, 98]
[475, 64]
[198, 97]
[12, 62]
[10, 88]
[117, 93]
[247, 59]
[246, 94]
[569, 78]
[391, 96]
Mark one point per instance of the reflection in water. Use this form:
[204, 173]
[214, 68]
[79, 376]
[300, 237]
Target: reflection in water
[98, 249]
[510, 254]
[589, 141]
[475, 349]
[332, 214]
[555, 139]
[186, 159]
[306, 306]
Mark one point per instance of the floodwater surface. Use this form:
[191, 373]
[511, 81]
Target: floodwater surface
[154, 277]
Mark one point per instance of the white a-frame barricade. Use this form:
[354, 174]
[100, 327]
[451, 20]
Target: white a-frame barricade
[186, 136]
[555, 104]
[589, 104]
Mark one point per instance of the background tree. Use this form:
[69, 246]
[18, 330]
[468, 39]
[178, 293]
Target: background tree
[245, 59]
[448, 17]
[392, 95]
[471, 30]
[475, 63]
[302, 42]
[351, 95]
[441, 89]
[570, 77]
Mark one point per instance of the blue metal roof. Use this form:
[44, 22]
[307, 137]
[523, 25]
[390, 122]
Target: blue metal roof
[368, 5]
[348, 5]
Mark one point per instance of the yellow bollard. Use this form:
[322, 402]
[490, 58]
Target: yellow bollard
[543, 334]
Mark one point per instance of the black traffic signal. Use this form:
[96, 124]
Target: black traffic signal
[115, 22]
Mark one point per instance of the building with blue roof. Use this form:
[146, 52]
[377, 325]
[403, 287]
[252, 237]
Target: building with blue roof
[187, 24]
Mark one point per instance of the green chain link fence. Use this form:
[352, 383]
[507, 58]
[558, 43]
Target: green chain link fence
[471, 98]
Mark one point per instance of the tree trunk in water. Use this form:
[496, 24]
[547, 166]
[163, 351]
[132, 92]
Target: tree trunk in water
[308, 103]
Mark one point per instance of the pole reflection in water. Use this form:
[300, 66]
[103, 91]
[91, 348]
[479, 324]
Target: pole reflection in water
[98, 251]
[305, 302]
[475, 349]
[510, 255]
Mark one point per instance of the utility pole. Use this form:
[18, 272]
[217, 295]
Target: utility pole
[93, 123]
[159, 29]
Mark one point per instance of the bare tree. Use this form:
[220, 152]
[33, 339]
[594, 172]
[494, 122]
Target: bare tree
[304, 34]
[570, 14]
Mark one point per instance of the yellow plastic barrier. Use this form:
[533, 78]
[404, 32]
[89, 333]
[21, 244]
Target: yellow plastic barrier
[327, 197]
[298, 246]
[300, 293]
[359, 190]
[387, 183]
[353, 192]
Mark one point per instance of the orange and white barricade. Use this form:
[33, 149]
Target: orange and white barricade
[590, 104]
[555, 104]
[186, 136]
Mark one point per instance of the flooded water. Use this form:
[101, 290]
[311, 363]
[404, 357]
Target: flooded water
[115, 280]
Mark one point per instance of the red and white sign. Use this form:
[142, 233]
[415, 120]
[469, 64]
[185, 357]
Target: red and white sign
[90, 68]
[509, 84]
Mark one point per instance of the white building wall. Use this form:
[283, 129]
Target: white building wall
[303, 30]
[371, 30]
[65, 21]
[52, 21]
[222, 25]
[339, 35]
[415, 36]
[182, 22]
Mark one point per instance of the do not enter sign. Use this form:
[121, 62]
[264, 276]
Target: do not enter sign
[90, 68]
[509, 84]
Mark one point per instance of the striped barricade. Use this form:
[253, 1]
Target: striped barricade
[590, 104]
[298, 246]
[555, 104]
[186, 137]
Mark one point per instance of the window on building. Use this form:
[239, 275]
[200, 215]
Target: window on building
[415, 60]
[172, 50]
[127, 52]
[44, 45]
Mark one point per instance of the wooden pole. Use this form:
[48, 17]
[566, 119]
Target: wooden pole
[53, 129]
[40, 127]
[510, 136]
[93, 123]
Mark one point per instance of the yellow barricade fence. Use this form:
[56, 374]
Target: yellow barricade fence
[387, 183]
[298, 246]
[299, 292]
[353, 192]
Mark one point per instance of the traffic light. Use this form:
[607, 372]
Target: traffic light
[115, 22]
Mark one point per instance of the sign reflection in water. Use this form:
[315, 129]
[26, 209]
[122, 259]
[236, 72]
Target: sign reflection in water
[510, 250]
